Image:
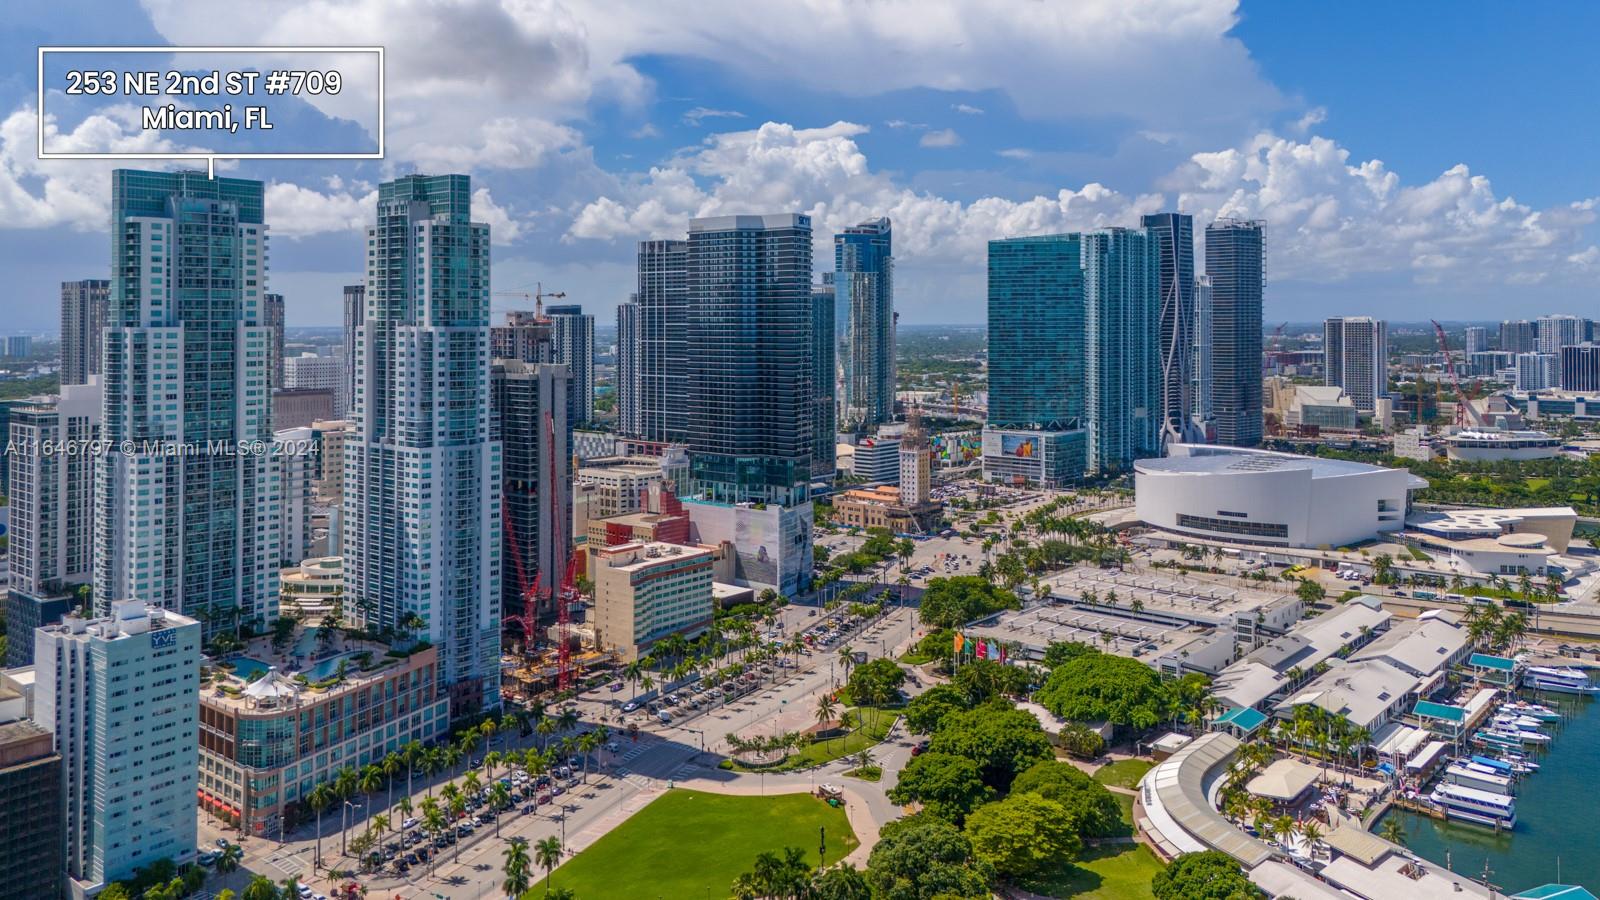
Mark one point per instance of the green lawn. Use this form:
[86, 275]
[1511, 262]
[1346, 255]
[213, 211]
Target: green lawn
[1108, 872]
[1123, 773]
[688, 843]
[1126, 802]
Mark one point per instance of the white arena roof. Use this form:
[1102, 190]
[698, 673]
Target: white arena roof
[1195, 459]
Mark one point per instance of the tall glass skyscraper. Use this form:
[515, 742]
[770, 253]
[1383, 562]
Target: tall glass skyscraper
[749, 360]
[422, 518]
[1175, 234]
[825, 348]
[1122, 299]
[83, 317]
[184, 513]
[629, 356]
[1234, 262]
[863, 259]
[572, 333]
[1036, 332]
[1037, 347]
[663, 311]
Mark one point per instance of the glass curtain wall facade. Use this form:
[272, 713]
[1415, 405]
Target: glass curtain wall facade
[1122, 297]
[863, 259]
[1235, 265]
[183, 519]
[422, 519]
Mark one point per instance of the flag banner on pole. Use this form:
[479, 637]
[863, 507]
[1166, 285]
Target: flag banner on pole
[983, 650]
[960, 640]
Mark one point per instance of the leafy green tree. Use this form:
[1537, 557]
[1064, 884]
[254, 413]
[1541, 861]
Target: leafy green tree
[1059, 652]
[1102, 687]
[953, 602]
[1310, 592]
[983, 679]
[1081, 741]
[842, 882]
[1087, 801]
[1003, 741]
[948, 786]
[1211, 875]
[875, 683]
[115, 891]
[924, 857]
[1023, 835]
[926, 710]
[260, 888]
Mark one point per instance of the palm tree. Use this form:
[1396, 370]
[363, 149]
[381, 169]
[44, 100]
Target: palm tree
[379, 822]
[470, 784]
[391, 767]
[1393, 831]
[547, 853]
[405, 808]
[260, 888]
[319, 799]
[412, 753]
[568, 718]
[433, 821]
[499, 799]
[229, 860]
[458, 806]
[826, 709]
[547, 726]
[371, 782]
[587, 744]
[516, 868]
[432, 761]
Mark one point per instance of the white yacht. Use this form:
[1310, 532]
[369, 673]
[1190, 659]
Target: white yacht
[1475, 805]
[1560, 679]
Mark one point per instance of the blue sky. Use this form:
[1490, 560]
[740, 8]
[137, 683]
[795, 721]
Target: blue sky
[1408, 162]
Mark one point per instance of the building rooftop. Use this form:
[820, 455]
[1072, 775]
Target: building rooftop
[1205, 459]
[1037, 627]
[639, 555]
[1422, 647]
[1358, 691]
[1283, 781]
[1179, 788]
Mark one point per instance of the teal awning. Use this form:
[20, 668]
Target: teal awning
[1243, 718]
[1555, 892]
[1427, 709]
[1485, 661]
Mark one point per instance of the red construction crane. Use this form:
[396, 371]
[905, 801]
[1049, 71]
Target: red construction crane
[567, 593]
[1465, 413]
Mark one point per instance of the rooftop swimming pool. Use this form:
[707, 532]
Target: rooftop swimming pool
[326, 668]
[247, 667]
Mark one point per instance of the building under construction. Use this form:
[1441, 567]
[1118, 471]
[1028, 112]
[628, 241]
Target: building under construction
[530, 422]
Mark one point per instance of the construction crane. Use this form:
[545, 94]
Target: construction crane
[567, 593]
[538, 297]
[1465, 413]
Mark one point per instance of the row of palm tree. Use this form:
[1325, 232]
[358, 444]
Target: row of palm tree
[519, 865]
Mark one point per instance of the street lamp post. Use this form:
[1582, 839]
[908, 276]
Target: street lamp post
[344, 817]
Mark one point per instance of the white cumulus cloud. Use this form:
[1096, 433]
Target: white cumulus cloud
[944, 137]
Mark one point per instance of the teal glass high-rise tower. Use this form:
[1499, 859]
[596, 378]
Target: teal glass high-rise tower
[184, 516]
[422, 519]
[863, 280]
[1122, 304]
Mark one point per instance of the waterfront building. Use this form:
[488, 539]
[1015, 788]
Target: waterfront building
[51, 460]
[1234, 263]
[120, 693]
[187, 369]
[863, 283]
[266, 740]
[1264, 497]
[83, 317]
[645, 591]
[530, 422]
[1356, 358]
[422, 511]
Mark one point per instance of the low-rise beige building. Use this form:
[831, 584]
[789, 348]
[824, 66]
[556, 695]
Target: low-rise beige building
[644, 591]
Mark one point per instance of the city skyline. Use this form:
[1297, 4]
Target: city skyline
[634, 133]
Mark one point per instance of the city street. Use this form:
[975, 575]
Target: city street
[661, 758]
